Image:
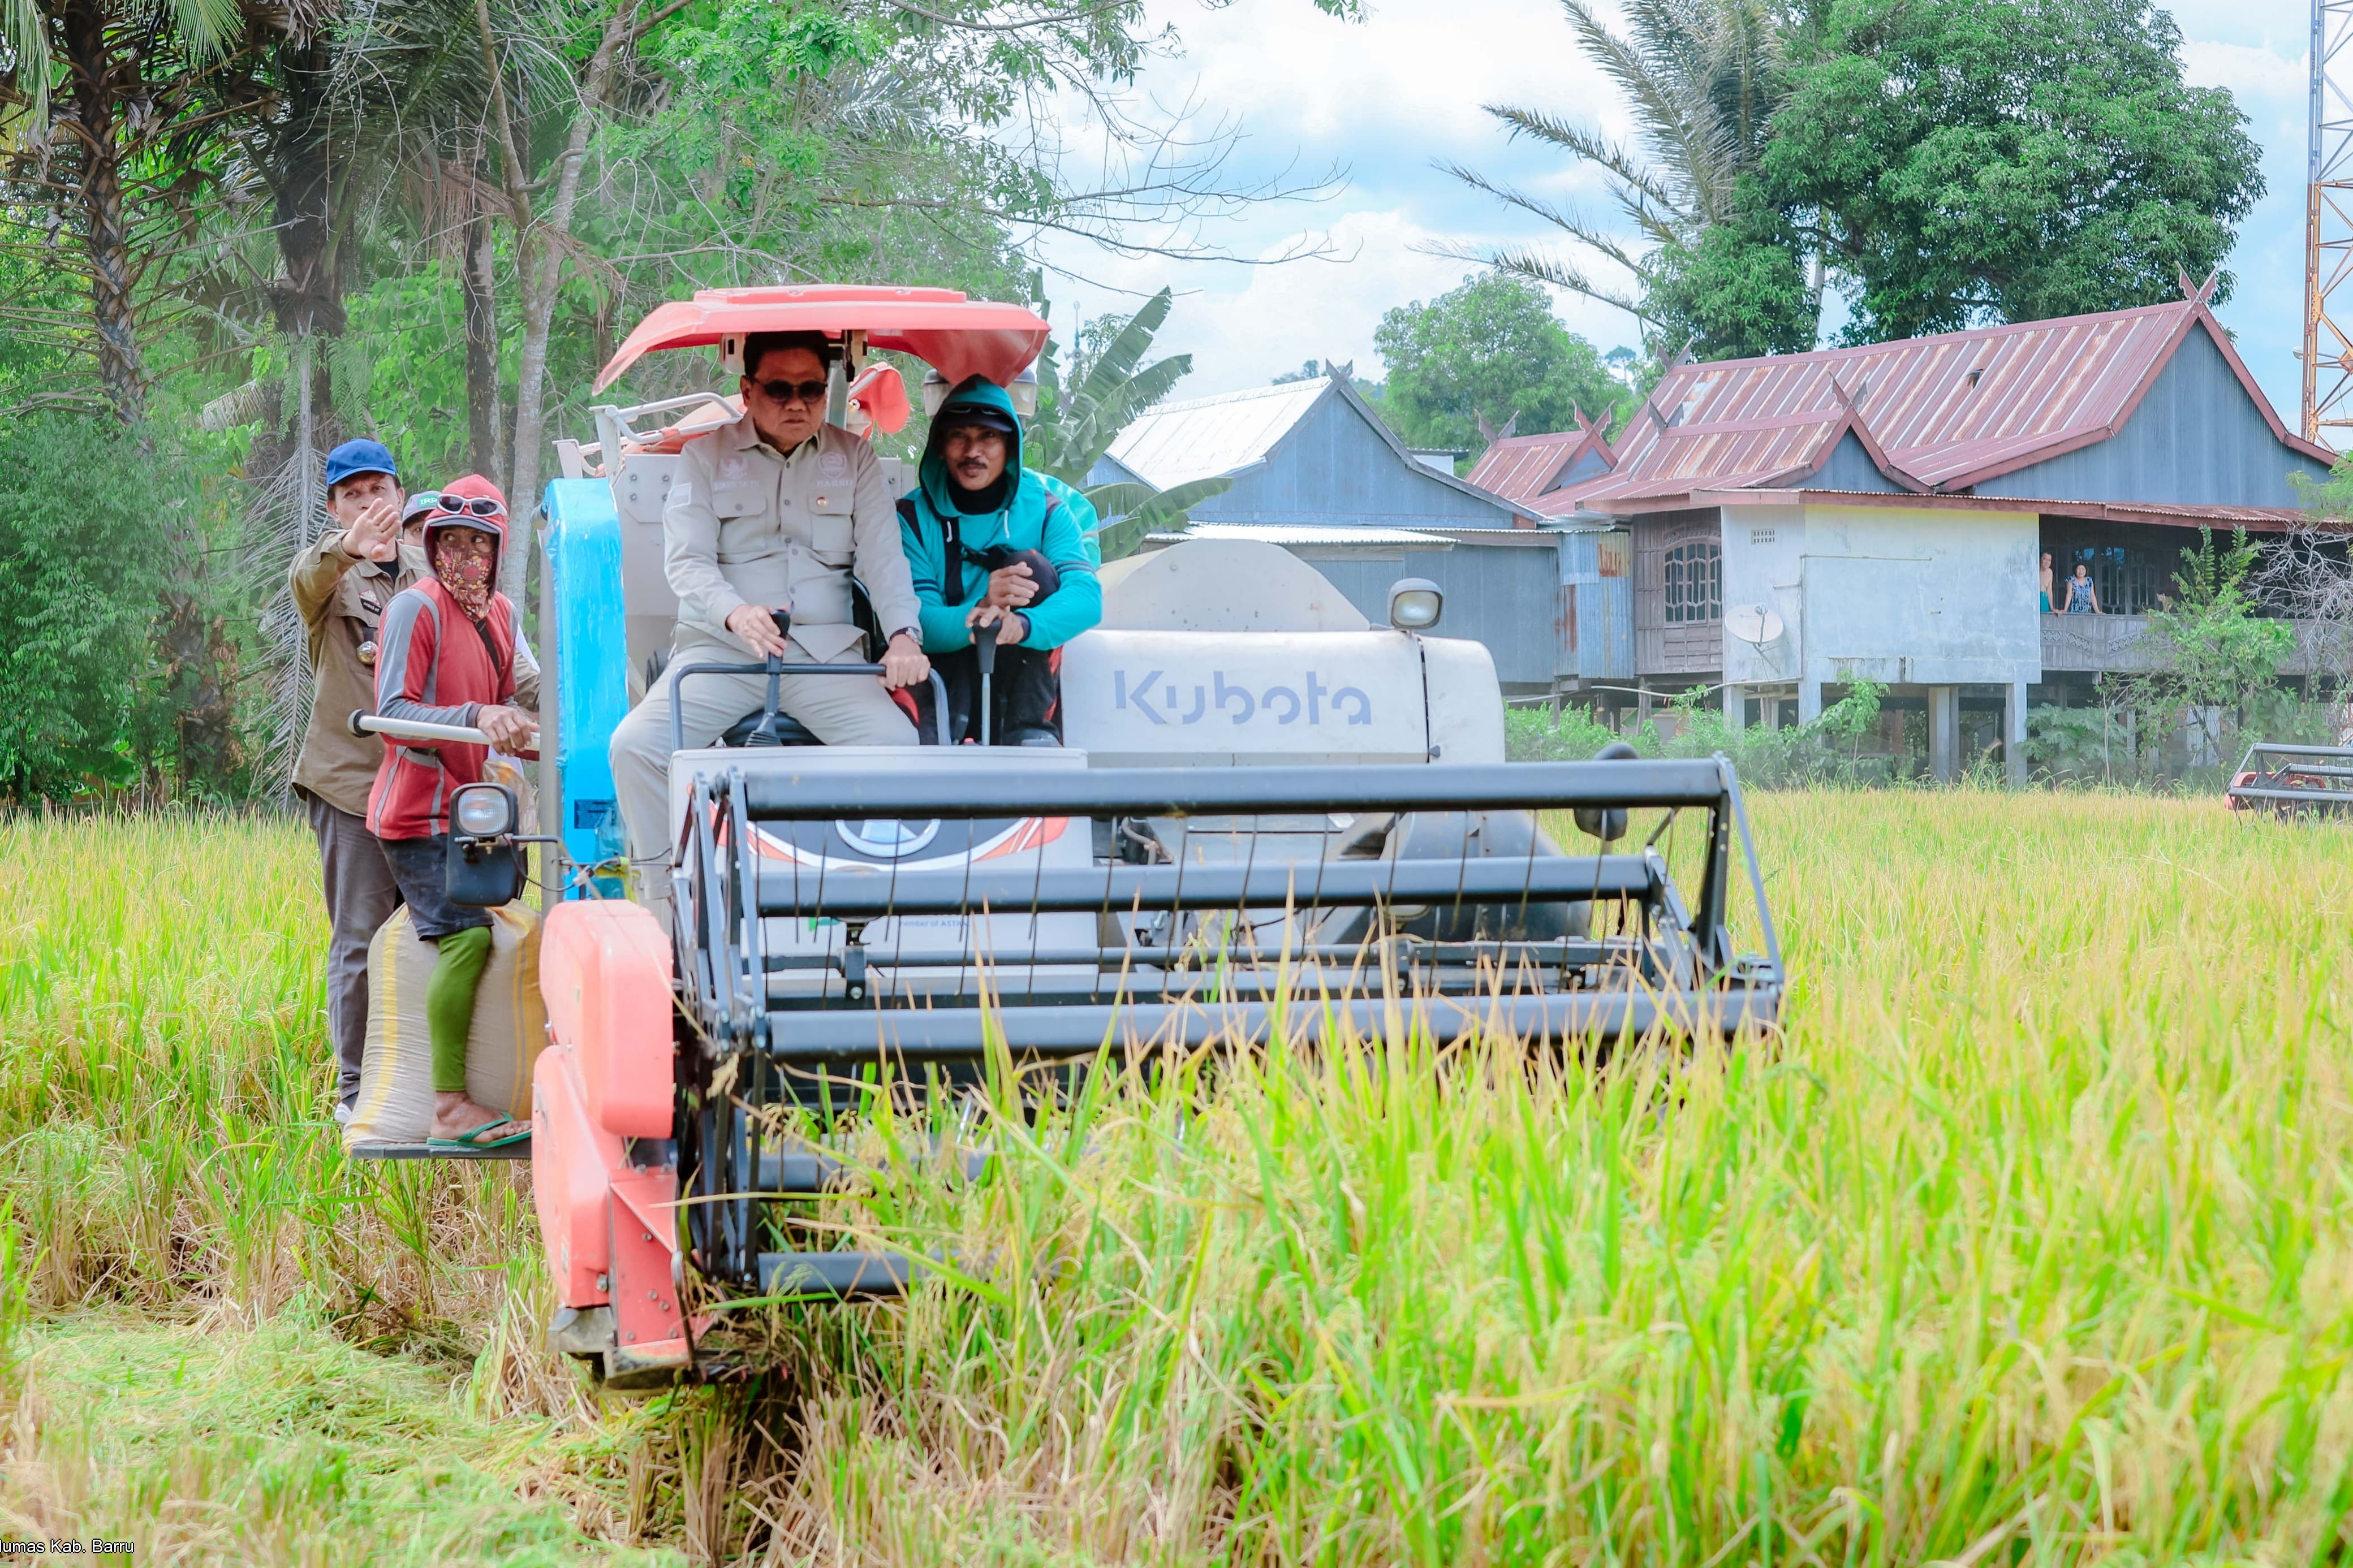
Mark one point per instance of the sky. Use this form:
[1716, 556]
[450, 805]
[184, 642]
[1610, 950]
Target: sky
[1386, 97]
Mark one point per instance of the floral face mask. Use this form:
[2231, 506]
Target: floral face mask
[461, 560]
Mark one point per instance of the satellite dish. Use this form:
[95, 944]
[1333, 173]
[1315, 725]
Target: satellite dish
[1753, 623]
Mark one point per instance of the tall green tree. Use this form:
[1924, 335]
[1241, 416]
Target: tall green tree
[1486, 360]
[1959, 160]
[84, 517]
[112, 114]
[1708, 262]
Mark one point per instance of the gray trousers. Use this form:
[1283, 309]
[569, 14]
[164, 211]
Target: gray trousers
[839, 710]
[360, 896]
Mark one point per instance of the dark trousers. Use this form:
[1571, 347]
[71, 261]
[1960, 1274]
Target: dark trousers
[1025, 686]
[1024, 692]
[360, 896]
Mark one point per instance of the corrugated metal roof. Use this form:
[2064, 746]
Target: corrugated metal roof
[1936, 413]
[1523, 468]
[1285, 533]
[1179, 442]
[2185, 514]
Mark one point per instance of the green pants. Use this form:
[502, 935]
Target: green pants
[449, 1003]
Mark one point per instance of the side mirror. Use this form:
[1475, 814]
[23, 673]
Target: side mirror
[483, 870]
[1415, 604]
[1606, 823]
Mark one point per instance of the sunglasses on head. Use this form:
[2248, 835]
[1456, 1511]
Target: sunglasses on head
[469, 506]
[793, 391]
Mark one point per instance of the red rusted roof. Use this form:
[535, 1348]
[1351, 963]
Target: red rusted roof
[2255, 519]
[1530, 468]
[1937, 414]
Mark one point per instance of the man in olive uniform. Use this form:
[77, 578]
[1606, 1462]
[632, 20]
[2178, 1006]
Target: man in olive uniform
[340, 586]
[775, 511]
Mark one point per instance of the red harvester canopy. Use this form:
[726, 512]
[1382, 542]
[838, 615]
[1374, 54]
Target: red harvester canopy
[955, 336]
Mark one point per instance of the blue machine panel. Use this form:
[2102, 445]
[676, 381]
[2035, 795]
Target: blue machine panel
[592, 662]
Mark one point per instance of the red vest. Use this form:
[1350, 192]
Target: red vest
[436, 664]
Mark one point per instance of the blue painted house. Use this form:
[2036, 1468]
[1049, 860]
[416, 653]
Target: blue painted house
[1799, 521]
[1314, 470]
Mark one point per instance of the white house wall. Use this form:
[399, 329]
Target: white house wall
[1898, 595]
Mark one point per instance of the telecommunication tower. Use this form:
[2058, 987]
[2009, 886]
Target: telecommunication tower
[2328, 230]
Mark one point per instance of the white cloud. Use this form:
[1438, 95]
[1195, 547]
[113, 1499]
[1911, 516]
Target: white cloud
[1389, 95]
[1245, 326]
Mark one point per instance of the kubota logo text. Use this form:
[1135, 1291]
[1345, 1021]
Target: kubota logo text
[1164, 701]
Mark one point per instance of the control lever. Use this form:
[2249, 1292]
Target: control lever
[984, 647]
[767, 733]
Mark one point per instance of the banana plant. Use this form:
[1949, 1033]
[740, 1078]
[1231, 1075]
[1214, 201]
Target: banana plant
[1076, 424]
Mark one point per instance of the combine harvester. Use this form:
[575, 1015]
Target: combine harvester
[1269, 818]
[2293, 781]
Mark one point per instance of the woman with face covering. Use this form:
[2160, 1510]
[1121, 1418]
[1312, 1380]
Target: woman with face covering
[451, 654]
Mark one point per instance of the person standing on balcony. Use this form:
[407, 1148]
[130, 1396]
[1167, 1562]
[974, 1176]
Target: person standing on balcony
[2083, 599]
[2046, 582]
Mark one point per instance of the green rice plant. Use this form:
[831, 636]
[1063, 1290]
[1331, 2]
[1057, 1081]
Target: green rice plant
[2029, 1239]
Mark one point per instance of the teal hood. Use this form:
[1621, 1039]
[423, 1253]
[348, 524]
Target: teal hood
[973, 392]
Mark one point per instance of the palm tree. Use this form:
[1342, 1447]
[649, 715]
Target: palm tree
[1076, 423]
[1701, 77]
[137, 81]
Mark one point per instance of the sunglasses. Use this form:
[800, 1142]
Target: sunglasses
[468, 505]
[811, 392]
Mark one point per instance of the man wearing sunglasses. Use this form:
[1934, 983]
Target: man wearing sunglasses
[775, 511]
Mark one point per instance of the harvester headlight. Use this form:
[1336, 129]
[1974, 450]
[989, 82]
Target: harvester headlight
[1415, 604]
[482, 811]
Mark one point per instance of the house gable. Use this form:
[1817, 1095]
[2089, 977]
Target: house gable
[1590, 464]
[1849, 467]
[2196, 438]
[1333, 464]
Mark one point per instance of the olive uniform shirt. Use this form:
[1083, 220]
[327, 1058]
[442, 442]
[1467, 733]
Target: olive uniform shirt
[745, 524]
[342, 598]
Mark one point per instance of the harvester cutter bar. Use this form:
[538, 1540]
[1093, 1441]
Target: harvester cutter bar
[1321, 884]
[1081, 1029]
[1205, 959]
[775, 796]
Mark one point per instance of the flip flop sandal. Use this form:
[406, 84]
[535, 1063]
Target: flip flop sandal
[466, 1140]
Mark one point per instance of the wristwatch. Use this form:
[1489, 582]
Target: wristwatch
[914, 632]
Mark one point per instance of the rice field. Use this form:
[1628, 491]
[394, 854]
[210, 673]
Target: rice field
[2032, 1242]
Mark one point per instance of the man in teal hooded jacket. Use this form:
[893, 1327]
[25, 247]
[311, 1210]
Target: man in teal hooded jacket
[997, 550]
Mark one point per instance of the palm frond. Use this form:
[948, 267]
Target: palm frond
[1119, 358]
[1174, 504]
[1569, 223]
[1614, 159]
[1542, 267]
[27, 37]
[1118, 499]
[1121, 405]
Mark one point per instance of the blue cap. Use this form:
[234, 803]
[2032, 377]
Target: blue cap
[358, 457]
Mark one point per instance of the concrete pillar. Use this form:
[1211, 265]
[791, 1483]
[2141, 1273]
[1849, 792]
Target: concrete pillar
[1734, 712]
[1944, 733]
[1642, 708]
[1809, 702]
[2014, 733]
